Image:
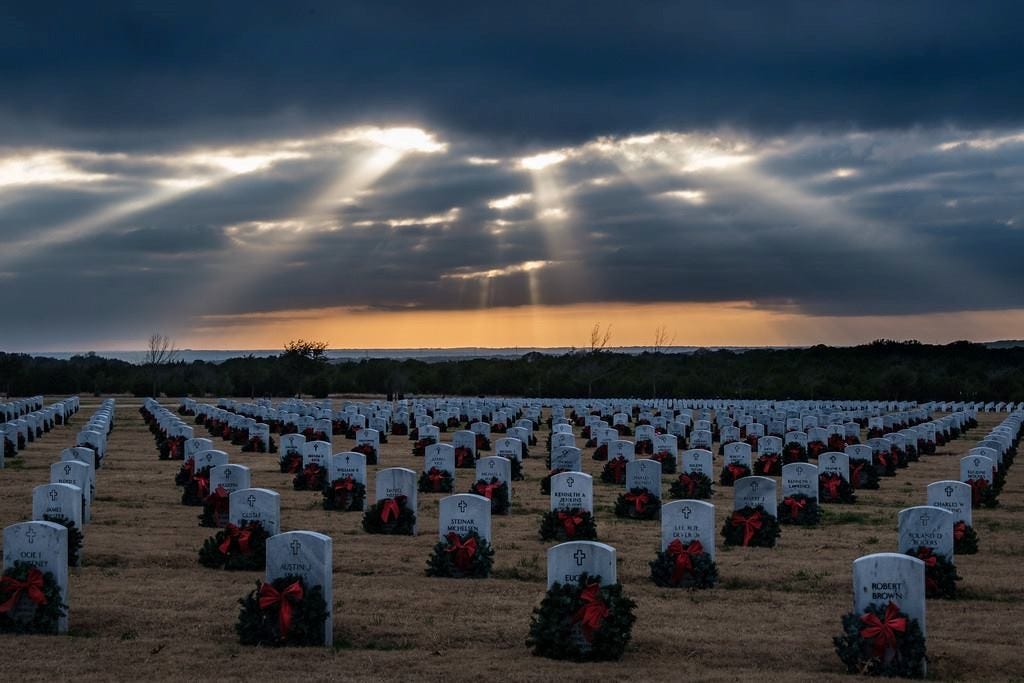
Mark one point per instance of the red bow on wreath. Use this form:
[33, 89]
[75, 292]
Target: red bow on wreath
[831, 485]
[464, 551]
[591, 615]
[689, 483]
[639, 500]
[436, 478]
[882, 632]
[751, 524]
[346, 484]
[931, 586]
[959, 529]
[684, 557]
[175, 449]
[463, 455]
[569, 522]
[795, 506]
[202, 486]
[618, 468]
[238, 535]
[486, 490]
[391, 508]
[978, 488]
[32, 587]
[769, 461]
[310, 472]
[737, 471]
[855, 471]
[284, 600]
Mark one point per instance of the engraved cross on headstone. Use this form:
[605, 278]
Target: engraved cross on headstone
[580, 556]
[67, 470]
[686, 512]
[462, 506]
[949, 491]
[251, 500]
[54, 495]
[31, 535]
[569, 481]
[754, 486]
[296, 547]
[925, 518]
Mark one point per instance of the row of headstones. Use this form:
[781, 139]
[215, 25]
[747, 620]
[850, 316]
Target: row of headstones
[26, 420]
[42, 543]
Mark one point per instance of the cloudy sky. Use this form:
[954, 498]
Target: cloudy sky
[411, 174]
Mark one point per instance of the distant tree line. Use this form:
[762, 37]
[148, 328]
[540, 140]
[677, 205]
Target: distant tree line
[880, 370]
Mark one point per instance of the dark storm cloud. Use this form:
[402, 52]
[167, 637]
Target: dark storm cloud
[552, 73]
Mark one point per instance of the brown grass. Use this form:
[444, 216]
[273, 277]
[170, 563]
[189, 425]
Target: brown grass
[143, 608]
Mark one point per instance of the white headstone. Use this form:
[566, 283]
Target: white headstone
[571, 490]
[398, 481]
[464, 512]
[753, 491]
[954, 496]
[566, 561]
[925, 525]
[689, 520]
[43, 545]
[256, 505]
[309, 555]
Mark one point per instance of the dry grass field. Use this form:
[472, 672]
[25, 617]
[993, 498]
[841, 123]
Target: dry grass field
[142, 608]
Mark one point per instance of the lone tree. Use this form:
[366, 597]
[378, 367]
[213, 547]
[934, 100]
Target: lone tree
[308, 349]
[160, 353]
[594, 366]
[307, 358]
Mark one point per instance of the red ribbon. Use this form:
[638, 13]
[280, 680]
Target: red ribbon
[831, 484]
[486, 490]
[795, 506]
[237, 535]
[569, 522]
[855, 471]
[284, 600]
[464, 551]
[882, 632]
[343, 489]
[924, 553]
[737, 471]
[618, 468]
[202, 486]
[751, 524]
[689, 483]
[769, 461]
[391, 508]
[591, 615]
[639, 500]
[32, 587]
[463, 454]
[978, 488]
[436, 477]
[684, 556]
[959, 529]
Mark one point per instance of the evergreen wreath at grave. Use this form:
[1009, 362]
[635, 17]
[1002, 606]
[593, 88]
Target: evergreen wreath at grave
[693, 485]
[25, 583]
[311, 478]
[291, 462]
[75, 537]
[768, 465]
[794, 451]
[414, 434]
[419, 447]
[464, 458]
[482, 443]
[614, 471]
[882, 641]
[637, 503]
[575, 524]
[256, 445]
[436, 481]
[832, 488]
[965, 539]
[461, 556]
[495, 491]
[684, 565]
[283, 612]
[751, 527]
[623, 430]
[215, 505]
[344, 494]
[185, 473]
[863, 475]
[390, 516]
[399, 429]
[582, 621]
[983, 494]
[815, 449]
[940, 575]
[733, 471]
[600, 453]
[884, 463]
[667, 460]
[236, 548]
[545, 483]
[799, 509]
[837, 443]
[369, 451]
[197, 488]
[901, 457]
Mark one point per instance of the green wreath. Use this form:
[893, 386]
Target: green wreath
[461, 556]
[344, 494]
[25, 583]
[863, 475]
[369, 451]
[390, 516]
[799, 509]
[290, 462]
[215, 508]
[794, 451]
[582, 621]
[965, 539]
[545, 483]
[197, 488]
[75, 538]
[436, 481]
[883, 641]
[573, 524]
[684, 565]
[614, 471]
[283, 612]
[733, 471]
[768, 465]
[311, 478]
[751, 527]
[236, 548]
[637, 503]
[516, 469]
[982, 494]
[833, 488]
[691, 485]
[496, 491]
[667, 460]
[940, 575]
